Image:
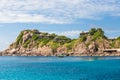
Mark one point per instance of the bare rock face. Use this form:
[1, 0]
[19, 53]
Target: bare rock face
[104, 44]
[12, 51]
[62, 49]
[93, 47]
[80, 48]
[45, 51]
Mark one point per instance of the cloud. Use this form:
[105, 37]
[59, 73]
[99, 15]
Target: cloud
[56, 11]
[9, 17]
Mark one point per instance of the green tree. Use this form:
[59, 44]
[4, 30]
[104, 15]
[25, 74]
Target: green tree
[92, 31]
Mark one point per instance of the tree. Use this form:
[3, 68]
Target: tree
[92, 31]
[100, 31]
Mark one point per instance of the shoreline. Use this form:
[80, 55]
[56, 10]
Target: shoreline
[61, 54]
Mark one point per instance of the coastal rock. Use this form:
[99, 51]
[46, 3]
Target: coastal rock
[45, 51]
[12, 51]
[80, 48]
[62, 49]
[35, 43]
[93, 47]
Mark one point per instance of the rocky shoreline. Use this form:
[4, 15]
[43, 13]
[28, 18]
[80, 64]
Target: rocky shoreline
[33, 53]
[35, 43]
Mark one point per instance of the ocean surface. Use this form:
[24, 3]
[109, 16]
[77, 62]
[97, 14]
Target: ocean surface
[56, 68]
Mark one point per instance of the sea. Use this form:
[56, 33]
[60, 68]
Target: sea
[59, 68]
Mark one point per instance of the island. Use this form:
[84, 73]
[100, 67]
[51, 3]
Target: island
[36, 43]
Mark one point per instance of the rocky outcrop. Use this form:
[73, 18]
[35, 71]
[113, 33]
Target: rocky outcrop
[80, 48]
[93, 47]
[45, 51]
[35, 43]
[62, 49]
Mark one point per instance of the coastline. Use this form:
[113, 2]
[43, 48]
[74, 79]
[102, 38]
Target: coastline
[60, 54]
[36, 43]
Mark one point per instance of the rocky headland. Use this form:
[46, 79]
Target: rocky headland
[35, 43]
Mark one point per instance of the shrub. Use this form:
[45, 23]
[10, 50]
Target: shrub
[62, 40]
[43, 41]
[35, 37]
[19, 39]
[118, 38]
[25, 45]
[83, 38]
[70, 45]
[53, 35]
[53, 45]
[92, 31]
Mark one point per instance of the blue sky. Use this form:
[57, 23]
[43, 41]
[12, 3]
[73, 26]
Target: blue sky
[63, 17]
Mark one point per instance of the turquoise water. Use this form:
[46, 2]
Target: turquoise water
[55, 68]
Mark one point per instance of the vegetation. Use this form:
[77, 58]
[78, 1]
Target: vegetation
[19, 39]
[97, 33]
[70, 45]
[92, 31]
[54, 41]
[43, 41]
[35, 37]
[118, 38]
[53, 45]
[25, 45]
[83, 38]
[62, 39]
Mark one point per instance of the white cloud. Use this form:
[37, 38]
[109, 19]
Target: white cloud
[56, 11]
[10, 17]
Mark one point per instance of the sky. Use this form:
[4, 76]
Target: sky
[63, 17]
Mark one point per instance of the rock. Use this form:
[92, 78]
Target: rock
[62, 49]
[13, 51]
[35, 43]
[80, 48]
[45, 51]
[26, 37]
[93, 47]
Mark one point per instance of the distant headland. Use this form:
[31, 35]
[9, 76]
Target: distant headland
[35, 43]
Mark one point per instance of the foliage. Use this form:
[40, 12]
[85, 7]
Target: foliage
[54, 41]
[43, 41]
[92, 31]
[97, 33]
[19, 39]
[25, 45]
[98, 30]
[53, 45]
[35, 37]
[70, 45]
[53, 35]
[113, 44]
[118, 38]
[83, 38]
[62, 39]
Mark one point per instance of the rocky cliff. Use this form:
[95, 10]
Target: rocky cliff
[35, 43]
